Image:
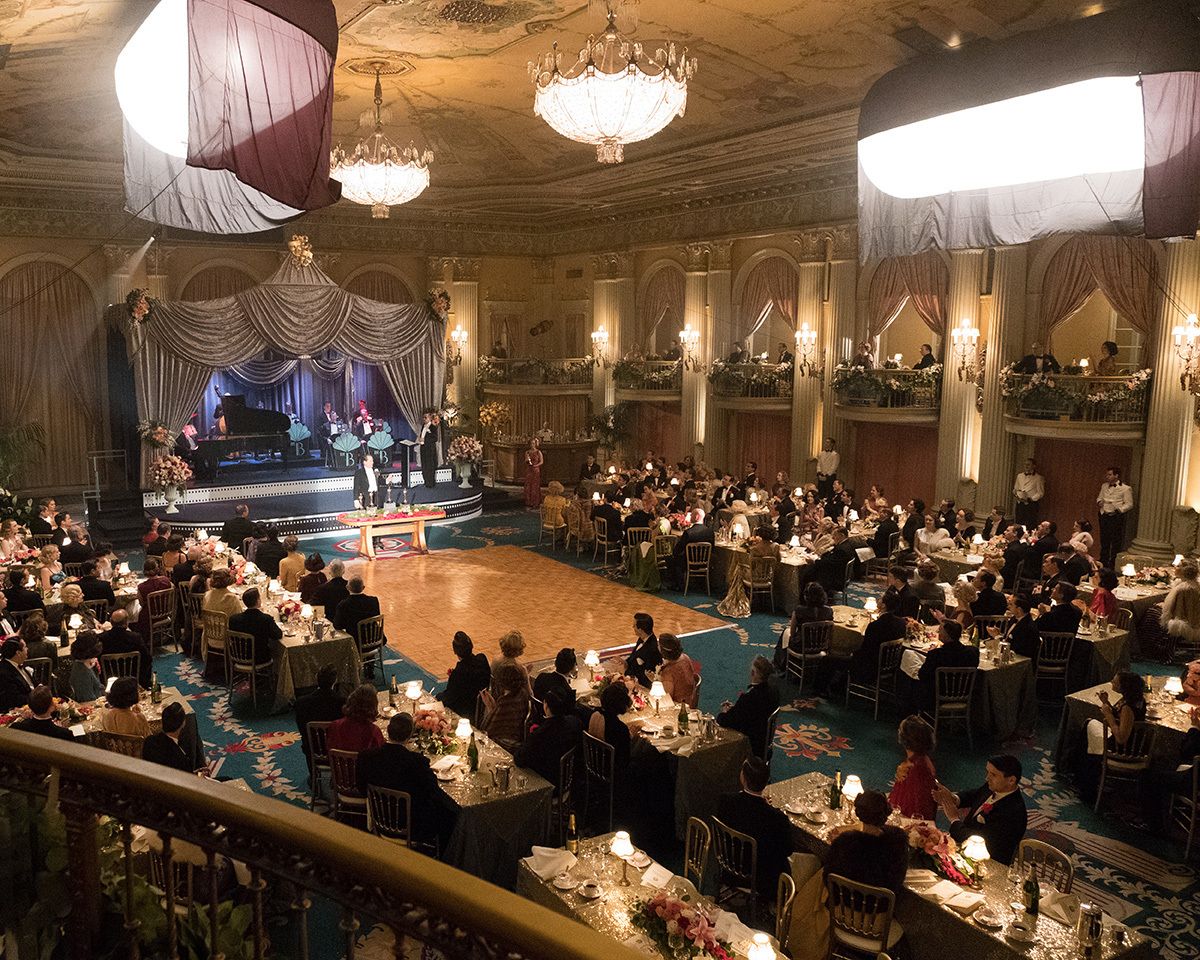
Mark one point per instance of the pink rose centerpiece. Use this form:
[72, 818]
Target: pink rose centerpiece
[940, 853]
[289, 610]
[679, 928]
[432, 731]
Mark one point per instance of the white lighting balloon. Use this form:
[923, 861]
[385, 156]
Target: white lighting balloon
[152, 78]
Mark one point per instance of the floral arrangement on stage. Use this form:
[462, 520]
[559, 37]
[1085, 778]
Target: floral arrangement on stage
[753, 378]
[678, 928]
[495, 415]
[1045, 391]
[170, 471]
[138, 303]
[155, 433]
[289, 610]
[465, 449]
[938, 851]
[432, 731]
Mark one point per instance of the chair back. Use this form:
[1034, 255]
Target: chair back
[18, 617]
[890, 654]
[370, 635]
[240, 650]
[955, 685]
[859, 912]
[195, 608]
[697, 841]
[598, 758]
[343, 766]
[1054, 652]
[41, 669]
[567, 764]
[1135, 752]
[664, 547]
[737, 855]
[126, 744]
[636, 535]
[120, 665]
[1050, 864]
[38, 540]
[389, 814]
[698, 555]
[572, 515]
[161, 605]
[772, 723]
[73, 570]
[982, 623]
[762, 572]
[318, 736]
[216, 628]
[816, 636]
[99, 609]
[601, 526]
[785, 896]
[1122, 619]
[552, 519]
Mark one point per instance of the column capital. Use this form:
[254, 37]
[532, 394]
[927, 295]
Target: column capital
[833, 243]
[720, 255]
[696, 257]
[117, 255]
[613, 266]
[453, 269]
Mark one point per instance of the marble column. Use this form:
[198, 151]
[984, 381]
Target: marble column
[460, 277]
[840, 312]
[614, 311]
[719, 333]
[957, 443]
[998, 467]
[157, 261]
[121, 270]
[1163, 482]
[693, 399]
[806, 389]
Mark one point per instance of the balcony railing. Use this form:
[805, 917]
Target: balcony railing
[765, 380]
[1121, 400]
[115, 855]
[887, 388]
[529, 371]
[659, 376]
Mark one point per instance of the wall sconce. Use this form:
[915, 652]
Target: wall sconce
[806, 352]
[964, 338]
[689, 343]
[458, 336]
[1187, 349]
[600, 345]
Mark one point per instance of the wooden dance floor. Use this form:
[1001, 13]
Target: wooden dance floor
[490, 591]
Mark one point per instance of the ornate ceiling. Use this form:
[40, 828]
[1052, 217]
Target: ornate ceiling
[771, 109]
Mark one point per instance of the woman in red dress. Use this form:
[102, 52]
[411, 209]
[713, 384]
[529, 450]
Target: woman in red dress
[533, 474]
[916, 777]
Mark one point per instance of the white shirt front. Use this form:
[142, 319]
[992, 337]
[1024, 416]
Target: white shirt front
[827, 462]
[1029, 486]
[1115, 498]
[372, 486]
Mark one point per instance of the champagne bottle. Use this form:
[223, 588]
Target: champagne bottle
[683, 719]
[393, 693]
[835, 792]
[473, 754]
[155, 689]
[572, 836]
[1031, 893]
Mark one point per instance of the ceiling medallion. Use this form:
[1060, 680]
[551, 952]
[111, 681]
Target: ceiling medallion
[614, 94]
[377, 172]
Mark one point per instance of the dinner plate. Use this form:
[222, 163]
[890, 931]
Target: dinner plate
[795, 808]
[565, 881]
[1020, 934]
[985, 918]
[446, 775]
[815, 816]
[640, 859]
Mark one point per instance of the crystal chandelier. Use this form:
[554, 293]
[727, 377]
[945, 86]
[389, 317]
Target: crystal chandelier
[377, 172]
[615, 94]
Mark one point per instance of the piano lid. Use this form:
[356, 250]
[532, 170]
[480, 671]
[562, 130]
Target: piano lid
[241, 420]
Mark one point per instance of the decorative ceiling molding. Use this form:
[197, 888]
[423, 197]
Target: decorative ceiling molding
[454, 269]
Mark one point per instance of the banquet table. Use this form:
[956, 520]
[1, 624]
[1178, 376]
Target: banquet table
[610, 913]
[189, 740]
[493, 829]
[1095, 658]
[726, 559]
[1169, 716]
[954, 563]
[370, 526]
[297, 658]
[929, 927]
[1136, 598]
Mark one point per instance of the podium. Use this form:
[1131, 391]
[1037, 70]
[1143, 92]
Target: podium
[406, 448]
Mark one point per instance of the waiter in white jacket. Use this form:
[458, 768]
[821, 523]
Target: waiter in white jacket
[1114, 502]
[1028, 490]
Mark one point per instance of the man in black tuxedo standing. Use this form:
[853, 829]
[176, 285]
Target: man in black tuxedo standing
[428, 440]
[368, 483]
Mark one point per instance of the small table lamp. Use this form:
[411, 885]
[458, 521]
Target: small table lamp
[201, 535]
[622, 847]
[591, 660]
[657, 693]
[852, 788]
[1127, 571]
[413, 690]
[794, 543]
[463, 730]
[250, 569]
[977, 539]
[123, 570]
[1173, 686]
[761, 948]
[871, 606]
[975, 849]
[1178, 560]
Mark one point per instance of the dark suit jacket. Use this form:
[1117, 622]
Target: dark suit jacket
[880, 861]
[464, 683]
[751, 714]
[989, 603]
[261, 627]
[360, 483]
[41, 527]
[1061, 618]
[121, 639]
[395, 767]
[1028, 363]
[47, 728]
[315, 707]
[755, 817]
[883, 533]
[183, 571]
[157, 547]
[96, 589]
[329, 594]
[589, 473]
[160, 748]
[268, 555]
[642, 659]
[75, 552]
[237, 529]
[353, 610]
[696, 533]
[994, 529]
[639, 518]
[543, 683]
[910, 603]
[1002, 827]
[1024, 638]
[1014, 555]
[947, 655]
[19, 598]
[909, 531]
[1075, 569]
[1039, 549]
[830, 570]
[884, 629]
[610, 515]
[15, 686]
[547, 743]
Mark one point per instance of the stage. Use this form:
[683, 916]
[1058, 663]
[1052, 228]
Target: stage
[305, 500]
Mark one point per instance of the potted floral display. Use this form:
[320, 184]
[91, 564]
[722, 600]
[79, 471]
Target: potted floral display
[170, 475]
[465, 452]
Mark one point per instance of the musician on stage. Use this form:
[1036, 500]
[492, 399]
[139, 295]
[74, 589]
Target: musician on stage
[218, 429]
[428, 440]
[329, 417]
[363, 425]
[368, 483]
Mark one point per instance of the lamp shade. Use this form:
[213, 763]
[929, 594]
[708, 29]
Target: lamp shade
[794, 542]
[622, 846]
[871, 605]
[306, 611]
[201, 535]
[250, 569]
[798, 492]
[760, 948]
[612, 471]
[626, 503]
[123, 570]
[1173, 686]
[220, 547]
[75, 621]
[853, 516]
[463, 730]
[897, 510]
[596, 496]
[852, 787]
[1178, 560]
[1129, 570]
[274, 587]
[591, 659]
[977, 539]
[657, 690]
[413, 689]
[974, 848]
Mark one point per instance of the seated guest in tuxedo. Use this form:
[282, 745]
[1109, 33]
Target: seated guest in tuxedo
[291, 567]
[356, 608]
[1051, 577]
[322, 705]
[751, 714]
[989, 601]
[875, 854]
[43, 524]
[120, 639]
[163, 748]
[952, 653]
[270, 553]
[559, 678]
[698, 532]
[238, 528]
[590, 469]
[887, 526]
[908, 605]
[1074, 565]
[829, 569]
[995, 523]
[1022, 635]
[1044, 540]
[1064, 615]
[550, 740]
[925, 587]
[927, 358]
[393, 766]
[749, 812]
[84, 678]
[314, 577]
[355, 730]
[158, 546]
[467, 679]
[1038, 361]
[947, 514]
[995, 811]
[21, 597]
[263, 628]
[888, 626]
[8, 625]
[333, 591]
[913, 522]
[642, 514]
[645, 656]
[1015, 553]
[75, 550]
[42, 716]
[607, 511]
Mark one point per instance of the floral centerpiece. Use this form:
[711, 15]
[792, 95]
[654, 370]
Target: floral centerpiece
[1154, 577]
[494, 416]
[155, 433]
[432, 731]
[23, 555]
[70, 712]
[465, 449]
[289, 610]
[938, 851]
[170, 474]
[636, 692]
[679, 928]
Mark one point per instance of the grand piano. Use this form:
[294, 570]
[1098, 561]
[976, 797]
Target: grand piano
[247, 429]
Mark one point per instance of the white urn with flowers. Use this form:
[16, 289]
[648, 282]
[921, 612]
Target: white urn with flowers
[465, 452]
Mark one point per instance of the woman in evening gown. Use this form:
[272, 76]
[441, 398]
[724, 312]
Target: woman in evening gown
[533, 474]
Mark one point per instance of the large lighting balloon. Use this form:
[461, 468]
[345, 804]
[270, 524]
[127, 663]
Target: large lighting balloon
[157, 109]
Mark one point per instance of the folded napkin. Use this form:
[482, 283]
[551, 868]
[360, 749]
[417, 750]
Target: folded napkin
[549, 862]
[442, 764]
[728, 927]
[943, 891]
[1063, 907]
[920, 878]
[656, 876]
[965, 902]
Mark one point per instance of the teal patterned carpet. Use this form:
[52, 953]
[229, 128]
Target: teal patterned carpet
[1135, 873]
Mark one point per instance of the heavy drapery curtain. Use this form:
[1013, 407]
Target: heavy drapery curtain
[1124, 269]
[772, 283]
[380, 285]
[924, 279]
[662, 297]
[215, 281]
[765, 438]
[53, 342]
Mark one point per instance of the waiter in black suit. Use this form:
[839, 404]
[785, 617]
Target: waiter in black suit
[428, 440]
[996, 811]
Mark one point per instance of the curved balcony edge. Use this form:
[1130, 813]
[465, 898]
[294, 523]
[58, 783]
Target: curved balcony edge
[1066, 429]
[875, 414]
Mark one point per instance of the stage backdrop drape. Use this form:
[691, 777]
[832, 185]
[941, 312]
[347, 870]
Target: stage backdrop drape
[923, 278]
[298, 312]
[53, 342]
[773, 282]
[656, 426]
[662, 298]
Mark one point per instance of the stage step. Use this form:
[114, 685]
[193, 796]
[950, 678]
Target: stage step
[117, 516]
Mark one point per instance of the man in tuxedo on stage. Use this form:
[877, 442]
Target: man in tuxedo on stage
[428, 440]
[368, 483]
